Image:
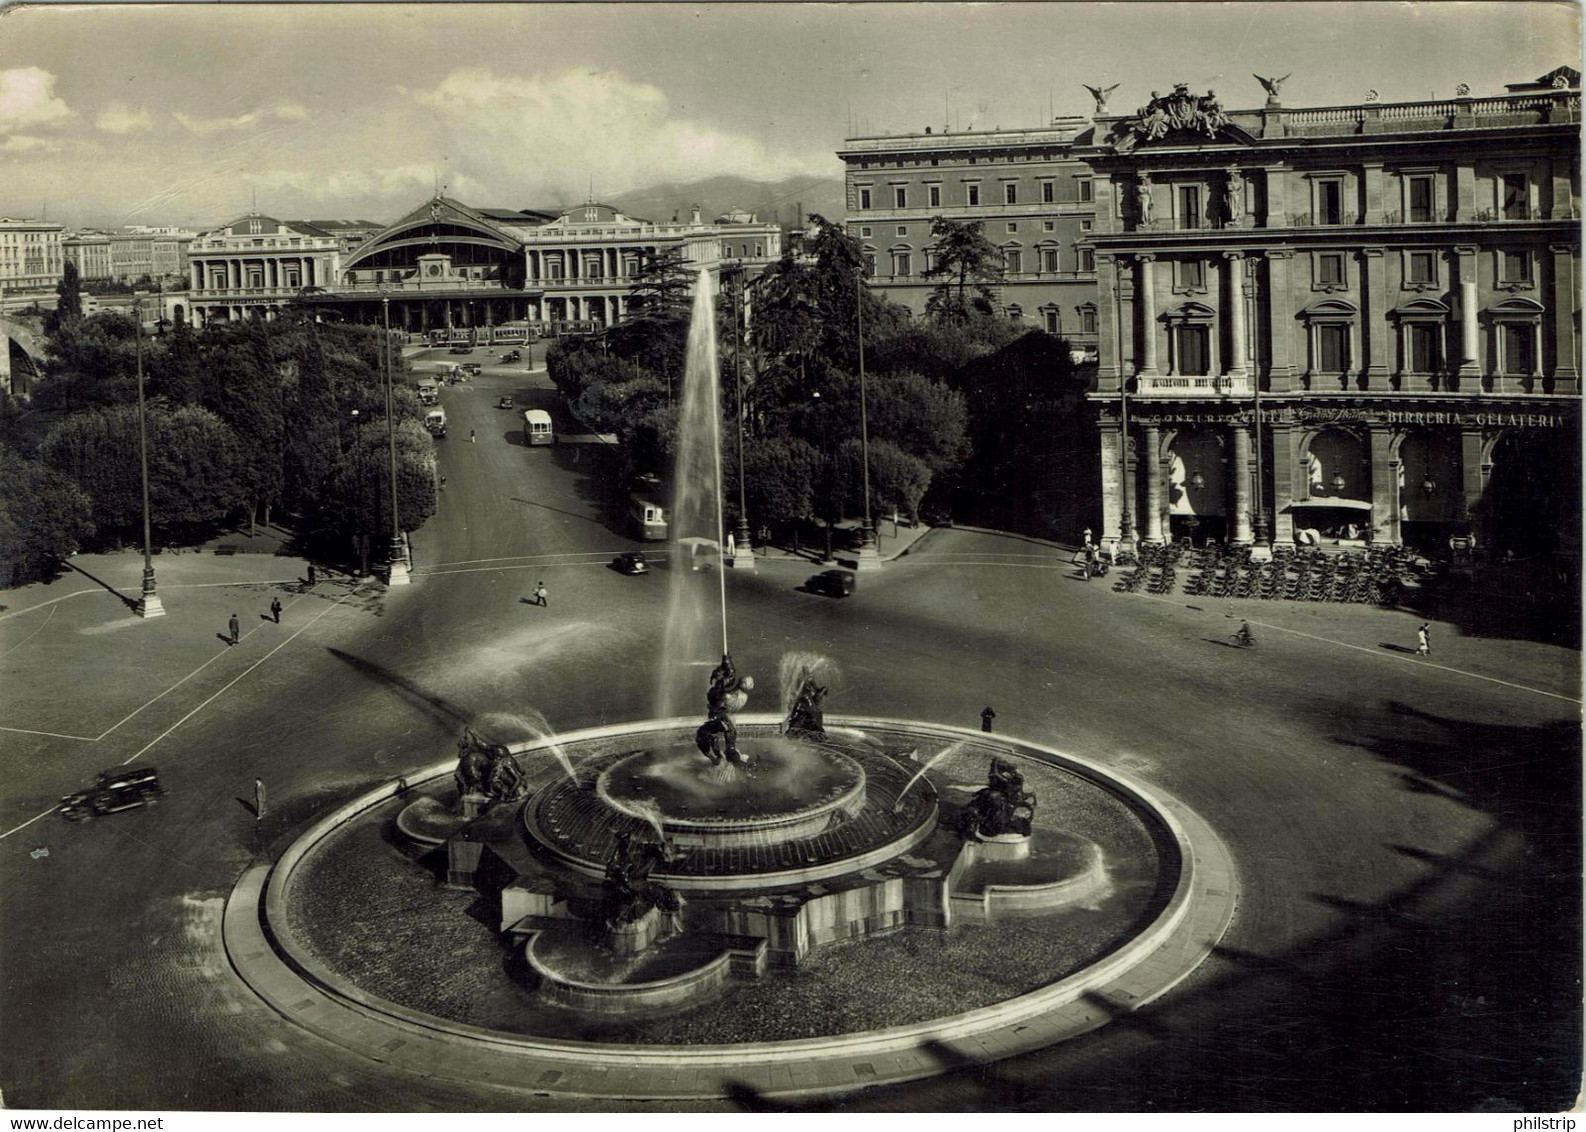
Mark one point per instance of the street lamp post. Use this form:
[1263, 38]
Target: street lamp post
[869, 556]
[149, 604]
[1125, 525]
[398, 575]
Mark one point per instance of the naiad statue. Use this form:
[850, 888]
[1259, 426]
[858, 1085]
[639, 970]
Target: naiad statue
[628, 892]
[1002, 806]
[717, 737]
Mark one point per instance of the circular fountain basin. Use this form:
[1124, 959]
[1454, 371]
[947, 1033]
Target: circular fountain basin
[799, 810]
[786, 791]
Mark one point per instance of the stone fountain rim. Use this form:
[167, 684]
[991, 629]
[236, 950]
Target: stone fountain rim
[263, 953]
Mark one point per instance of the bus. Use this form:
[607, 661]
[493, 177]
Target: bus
[537, 428]
[648, 516]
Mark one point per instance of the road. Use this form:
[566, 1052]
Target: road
[1406, 830]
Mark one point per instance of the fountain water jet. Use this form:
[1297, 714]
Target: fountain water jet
[919, 774]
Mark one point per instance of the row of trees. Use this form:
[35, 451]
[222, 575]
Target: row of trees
[959, 406]
[244, 420]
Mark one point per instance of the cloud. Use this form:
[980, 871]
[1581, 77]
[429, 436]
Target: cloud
[27, 143]
[553, 133]
[27, 98]
[281, 112]
[119, 118]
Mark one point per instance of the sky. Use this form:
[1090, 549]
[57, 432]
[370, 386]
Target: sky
[193, 113]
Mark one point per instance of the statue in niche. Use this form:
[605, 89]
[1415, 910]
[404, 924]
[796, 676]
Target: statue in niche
[1002, 806]
[717, 737]
[805, 720]
[1142, 200]
[487, 768]
[628, 893]
[1234, 197]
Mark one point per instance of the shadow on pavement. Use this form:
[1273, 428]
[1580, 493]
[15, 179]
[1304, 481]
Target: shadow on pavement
[130, 603]
[439, 709]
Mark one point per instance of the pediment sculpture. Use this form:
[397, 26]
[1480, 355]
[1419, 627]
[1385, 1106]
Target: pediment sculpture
[1178, 111]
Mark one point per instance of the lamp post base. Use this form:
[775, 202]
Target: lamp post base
[742, 552]
[869, 556]
[149, 605]
[397, 572]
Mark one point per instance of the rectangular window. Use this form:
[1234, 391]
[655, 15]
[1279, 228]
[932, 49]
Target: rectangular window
[1333, 341]
[1191, 273]
[1048, 192]
[1049, 322]
[865, 232]
[1010, 193]
[1087, 259]
[1330, 268]
[900, 198]
[903, 230]
[1192, 353]
[1423, 267]
[1420, 200]
[974, 195]
[1518, 348]
[936, 195]
[1329, 202]
[864, 198]
[1049, 259]
[901, 263]
[1086, 192]
[1013, 225]
[1049, 226]
[1425, 340]
[870, 263]
[1013, 260]
[1516, 203]
[1087, 320]
[1189, 206]
[1514, 266]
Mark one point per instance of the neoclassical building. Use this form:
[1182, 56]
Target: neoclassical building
[1027, 188]
[31, 255]
[1363, 319]
[257, 264]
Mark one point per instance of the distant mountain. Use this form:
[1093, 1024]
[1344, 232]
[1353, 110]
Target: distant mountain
[770, 200]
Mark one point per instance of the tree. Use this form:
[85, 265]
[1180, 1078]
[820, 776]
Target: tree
[779, 479]
[923, 418]
[69, 307]
[197, 469]
[242, 385]
[44, 517]
[965, 260]
[655, 332]
[361, 483]
[898, 480]
[312, 443]
[92, 363]
[175, 370]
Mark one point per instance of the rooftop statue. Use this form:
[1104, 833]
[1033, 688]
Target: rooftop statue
[1180, 110]
[1271, 86]
[1100, 95]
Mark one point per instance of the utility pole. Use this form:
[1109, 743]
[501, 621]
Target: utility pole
[149, 605]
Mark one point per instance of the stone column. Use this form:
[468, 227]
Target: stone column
[1384, 526]
[1147, 306]
[1469, 313]
[1109, 370]
[1151, 438]
[1374, 318]
[1566, 368]
[1241, 485]
[1239, 347]
[1280, 320]
[1112, 481]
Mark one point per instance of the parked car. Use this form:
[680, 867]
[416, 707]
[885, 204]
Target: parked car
[511, 356]
[120, 789]
[504, 403]
[832, 583]
[632, 562]
[461, 350]
[470, 368]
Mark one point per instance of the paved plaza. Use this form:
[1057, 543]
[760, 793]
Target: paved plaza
[1405, 830]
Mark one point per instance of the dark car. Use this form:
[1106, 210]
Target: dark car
[461, 350]
[470, 368]
[632, 562]
[118, 789]
[504, 403]
[511, 356]
[833, 583]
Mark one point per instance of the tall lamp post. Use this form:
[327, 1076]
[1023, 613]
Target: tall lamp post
[149, 605]
[743, 554]
[399, 575]
[869, 556]
[1125, 524]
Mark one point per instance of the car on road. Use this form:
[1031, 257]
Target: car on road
[120, 789]
[461, 350]
[511, 356]
[504, 403]
[435, 421]
[471, 368]
[832, 583]
[632, 562]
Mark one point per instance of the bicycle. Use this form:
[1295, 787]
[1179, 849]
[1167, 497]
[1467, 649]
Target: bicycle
[1244, 639]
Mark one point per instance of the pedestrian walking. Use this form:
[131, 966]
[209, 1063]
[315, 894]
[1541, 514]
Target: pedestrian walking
[312, 576]
[539, 594]
[258, 799]
[986, 716]
[471, 437]
[1423, 640]
[275, 609]
[236, 629]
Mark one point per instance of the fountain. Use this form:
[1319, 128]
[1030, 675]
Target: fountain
[669, 870]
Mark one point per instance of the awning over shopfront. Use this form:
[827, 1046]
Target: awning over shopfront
[1335, 504]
